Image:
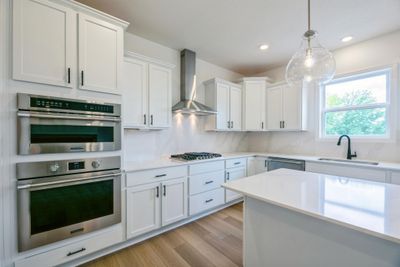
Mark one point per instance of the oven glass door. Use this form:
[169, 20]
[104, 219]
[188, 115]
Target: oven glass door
[55, 212]
[40, 134]
[62, 206]
[44, 133]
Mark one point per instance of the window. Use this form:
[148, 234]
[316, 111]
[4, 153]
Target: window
[356, 105]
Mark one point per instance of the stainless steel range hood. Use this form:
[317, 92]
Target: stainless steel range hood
[188, 105]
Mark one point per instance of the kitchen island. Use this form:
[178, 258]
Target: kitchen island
[294, 218]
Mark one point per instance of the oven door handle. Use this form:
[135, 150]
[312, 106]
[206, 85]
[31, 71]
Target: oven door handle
[68, 181]
[67, 116]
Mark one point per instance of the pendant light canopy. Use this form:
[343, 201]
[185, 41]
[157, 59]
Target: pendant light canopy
[312, 62]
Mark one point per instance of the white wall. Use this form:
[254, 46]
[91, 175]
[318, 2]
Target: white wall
[187, 132]
[377, 52]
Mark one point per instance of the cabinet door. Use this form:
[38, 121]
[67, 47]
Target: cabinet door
[44, 38]
[254, 106]
[143, 209]
[236, 108]
[292, 98]
[222, 106]
[274, 108]
[159, 96]
[231, 175]
[100, 55]
[134, 93]
[174, 200]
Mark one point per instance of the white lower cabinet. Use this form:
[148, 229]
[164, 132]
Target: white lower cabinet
[261, 165]
[231, 175]
[395, 177]
[151, 206]
[174, 201]
[205, 180]
[143, 209]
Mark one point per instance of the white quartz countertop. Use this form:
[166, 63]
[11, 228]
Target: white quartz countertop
[365, 206]
[167, 162]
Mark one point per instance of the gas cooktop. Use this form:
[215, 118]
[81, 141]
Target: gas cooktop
[195, 156]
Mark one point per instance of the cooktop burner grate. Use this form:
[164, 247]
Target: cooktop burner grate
[195, 156]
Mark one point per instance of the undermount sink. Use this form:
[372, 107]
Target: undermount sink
[350, 161]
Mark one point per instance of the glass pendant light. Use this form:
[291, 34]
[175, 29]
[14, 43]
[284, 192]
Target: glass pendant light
[312, 62]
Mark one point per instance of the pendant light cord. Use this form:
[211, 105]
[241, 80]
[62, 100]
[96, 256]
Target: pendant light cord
[309, 15]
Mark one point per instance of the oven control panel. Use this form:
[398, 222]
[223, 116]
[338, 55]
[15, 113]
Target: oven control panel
[76, 165]
[29, 170]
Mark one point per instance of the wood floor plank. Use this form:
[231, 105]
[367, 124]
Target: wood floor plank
[234, 222]
[215, 240]
[205, 248]
[167, 253]
[225, 248]
[193, 256]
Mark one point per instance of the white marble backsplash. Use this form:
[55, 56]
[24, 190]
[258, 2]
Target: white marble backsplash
[186, 134]
[306, 143]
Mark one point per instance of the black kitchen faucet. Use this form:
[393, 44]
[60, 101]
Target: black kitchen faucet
[349, 155]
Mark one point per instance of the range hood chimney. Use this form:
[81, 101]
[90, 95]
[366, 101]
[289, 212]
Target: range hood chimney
[188, 105]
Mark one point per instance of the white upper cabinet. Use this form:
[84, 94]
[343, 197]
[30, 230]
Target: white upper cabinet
[226, 98]
[160, 109]
[235, 104]
[286, 108]
[254, 104]
[146, 92]
[134, 84]
[44, 39]
[100, 54]
[222, 106]
[274, 108]
[46, 35]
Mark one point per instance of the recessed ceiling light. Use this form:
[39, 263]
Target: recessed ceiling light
[263, 47]
[347, 39]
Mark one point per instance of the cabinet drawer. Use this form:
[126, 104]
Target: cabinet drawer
[73, 251]
[150, 176]
[206, 167]
[205, 182]
[206, 200]
[232, 163]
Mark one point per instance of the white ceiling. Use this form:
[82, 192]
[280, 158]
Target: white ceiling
[228, 32]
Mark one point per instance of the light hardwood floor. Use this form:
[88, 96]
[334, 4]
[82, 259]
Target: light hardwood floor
[215, 240]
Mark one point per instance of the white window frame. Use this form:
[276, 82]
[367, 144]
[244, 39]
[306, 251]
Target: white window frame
[390, 123]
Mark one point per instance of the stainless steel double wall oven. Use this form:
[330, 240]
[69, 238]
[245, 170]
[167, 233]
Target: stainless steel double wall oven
[59, 125]
[66, 198]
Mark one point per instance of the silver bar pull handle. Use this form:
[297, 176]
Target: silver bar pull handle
[27, 186]
[288, 161]
[67, 116]
[76, 252]
[209, 200]
[209, 182]
[160, 175]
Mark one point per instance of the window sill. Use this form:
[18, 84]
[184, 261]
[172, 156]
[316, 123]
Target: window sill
[359, 139]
